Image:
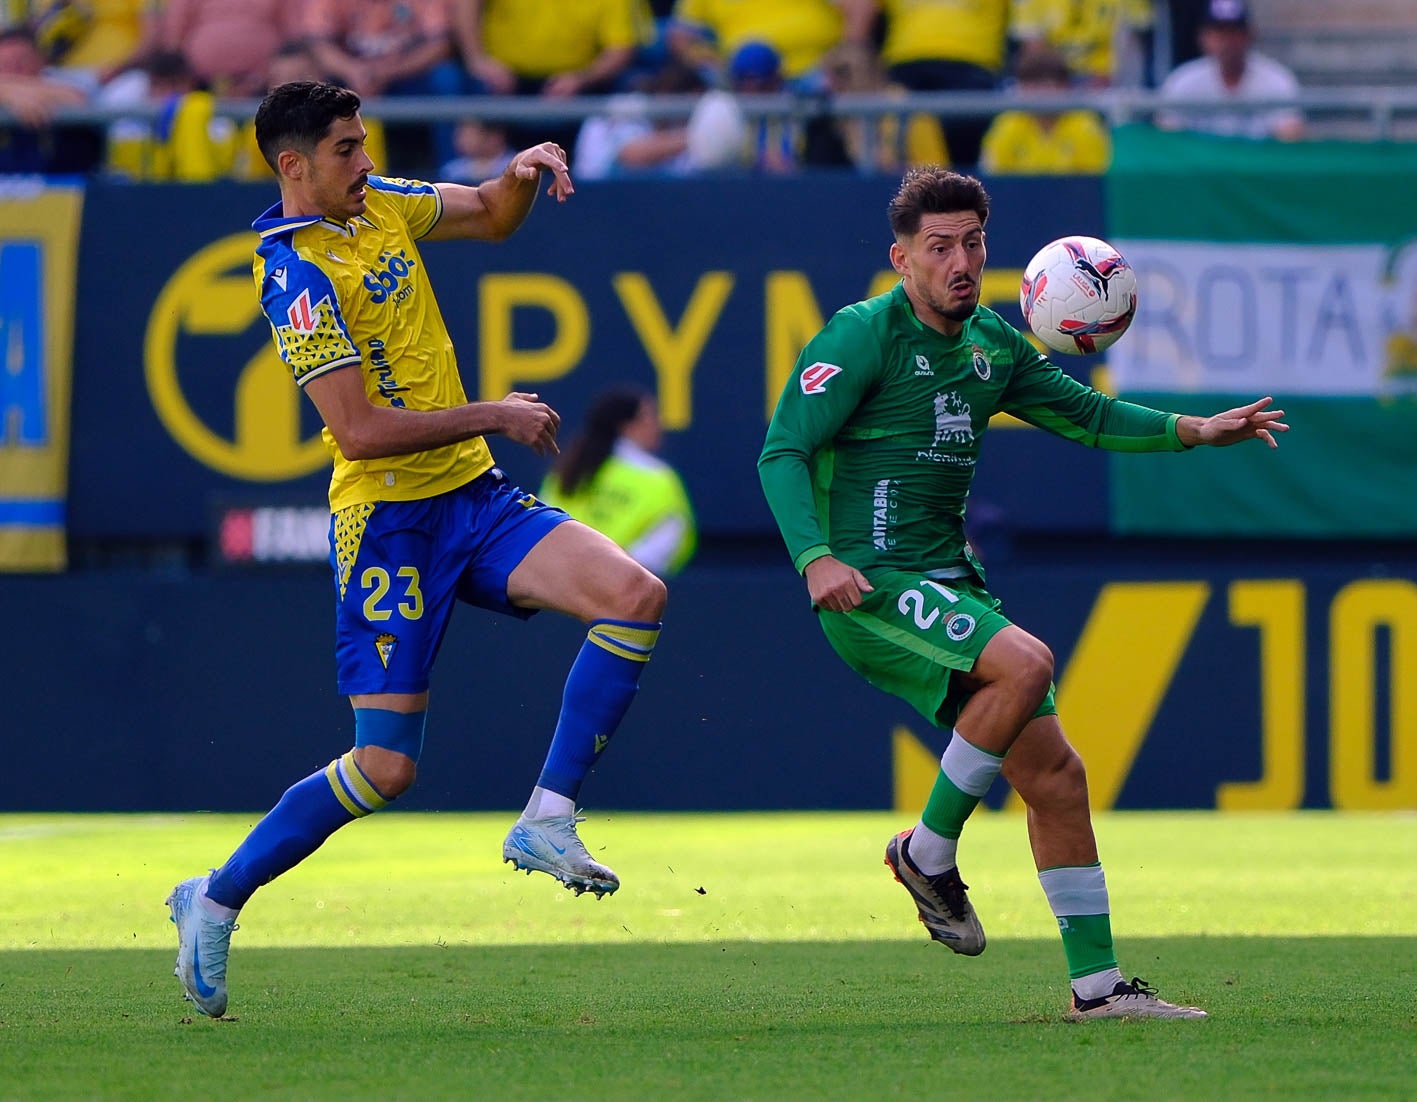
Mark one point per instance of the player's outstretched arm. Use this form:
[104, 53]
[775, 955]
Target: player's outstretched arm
[1255, 421]
[494, 209]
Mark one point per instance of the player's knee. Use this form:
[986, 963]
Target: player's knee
[392, 774]
[1059, 783]
[387, 746]
[1032, 670]
[644, 596]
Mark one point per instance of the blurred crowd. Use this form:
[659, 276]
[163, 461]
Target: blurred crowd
[172, 61]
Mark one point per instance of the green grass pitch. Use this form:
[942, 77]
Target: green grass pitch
[747, 957]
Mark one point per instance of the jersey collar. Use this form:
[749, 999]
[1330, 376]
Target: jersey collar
[273, 224]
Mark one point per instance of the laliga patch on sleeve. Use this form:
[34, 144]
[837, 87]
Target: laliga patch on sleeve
[814, 379]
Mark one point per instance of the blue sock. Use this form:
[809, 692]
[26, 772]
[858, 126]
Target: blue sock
[603, 680]
[309, 812]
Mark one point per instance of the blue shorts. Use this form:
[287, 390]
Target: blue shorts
[399, 566]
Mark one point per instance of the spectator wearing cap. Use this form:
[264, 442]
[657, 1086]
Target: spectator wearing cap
[775, 142]
[1231, 70]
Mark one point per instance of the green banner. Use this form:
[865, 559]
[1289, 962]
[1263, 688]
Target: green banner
[1277, 269]
[39, 232]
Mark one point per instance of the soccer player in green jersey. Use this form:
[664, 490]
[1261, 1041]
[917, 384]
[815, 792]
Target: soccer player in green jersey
[866, 467]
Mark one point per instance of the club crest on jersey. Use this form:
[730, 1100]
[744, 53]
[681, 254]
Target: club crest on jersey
[982, 367]
[814, 379]
[922, 365]
[385, 643]
[960, 626]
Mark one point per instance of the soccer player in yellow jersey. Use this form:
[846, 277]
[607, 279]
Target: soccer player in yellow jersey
[422, 517]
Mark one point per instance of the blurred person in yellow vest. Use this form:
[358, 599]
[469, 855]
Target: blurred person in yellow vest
[610, 478]
[295, 61]
[185, 141]
[1035, 143]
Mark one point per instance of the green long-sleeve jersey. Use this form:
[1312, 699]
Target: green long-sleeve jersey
[872, 448]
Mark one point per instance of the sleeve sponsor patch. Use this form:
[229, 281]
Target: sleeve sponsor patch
[815, 377]
[314, 336]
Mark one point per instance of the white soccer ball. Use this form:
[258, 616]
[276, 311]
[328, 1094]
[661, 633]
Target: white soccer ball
[1078, 294]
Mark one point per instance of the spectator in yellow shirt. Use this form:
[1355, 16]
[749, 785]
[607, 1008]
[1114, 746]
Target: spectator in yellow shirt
[708, 34]
[548, 48]
[1104, 42]
[186, 141]
[937, 46]
[1036, 143]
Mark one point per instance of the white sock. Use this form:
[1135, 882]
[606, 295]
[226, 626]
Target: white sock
[1097, 984]
[929, 852]
[215, 909]
[545, 804]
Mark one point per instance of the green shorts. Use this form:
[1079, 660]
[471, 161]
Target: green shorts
[911, 632]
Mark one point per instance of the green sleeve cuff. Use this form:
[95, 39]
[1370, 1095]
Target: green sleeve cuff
[1171, 423]
[809, 556]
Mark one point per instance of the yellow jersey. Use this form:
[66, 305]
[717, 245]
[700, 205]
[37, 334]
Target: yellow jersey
[1085, 32]
[1017, 142]
[801, 31]
[971, 31]
[540, 38]
[357, 296]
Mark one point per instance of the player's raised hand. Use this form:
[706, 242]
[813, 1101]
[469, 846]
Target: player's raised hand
[529, 421]
[1255, 421]
[527, 165]
[833, 585]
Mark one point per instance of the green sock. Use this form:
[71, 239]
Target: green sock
[947, 808]
[1077, 896]
[1087, 941]
[966, 772]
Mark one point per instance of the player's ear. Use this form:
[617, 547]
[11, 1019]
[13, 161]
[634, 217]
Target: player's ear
[898, 258]
[291, 164]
